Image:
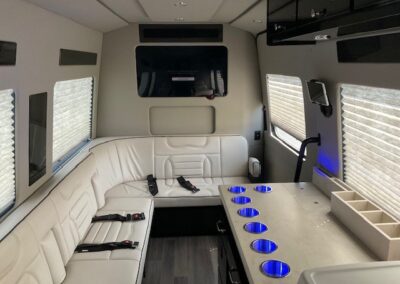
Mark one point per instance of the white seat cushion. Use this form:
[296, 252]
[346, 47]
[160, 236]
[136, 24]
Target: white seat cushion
[102, 232]
[171, 194]
[120, 271]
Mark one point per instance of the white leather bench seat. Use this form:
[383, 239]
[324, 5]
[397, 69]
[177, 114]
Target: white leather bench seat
[41, 248]
[207, 162]
[112, 179]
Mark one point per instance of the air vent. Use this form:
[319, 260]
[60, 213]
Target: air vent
[181, 33]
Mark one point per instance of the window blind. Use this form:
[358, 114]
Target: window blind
[7, 149]
[286, 104]
[72, 116]
[371, 144]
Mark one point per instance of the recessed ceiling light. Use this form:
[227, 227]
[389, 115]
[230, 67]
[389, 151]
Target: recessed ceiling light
[179, 19]
[181, 4]
[257, 21]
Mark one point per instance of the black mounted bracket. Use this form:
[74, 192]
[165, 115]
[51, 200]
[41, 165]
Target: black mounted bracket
[303, 147]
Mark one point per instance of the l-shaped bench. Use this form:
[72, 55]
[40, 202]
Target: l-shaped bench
[112, 180]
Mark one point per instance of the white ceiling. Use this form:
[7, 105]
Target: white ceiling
[254, 20]
[108, 15]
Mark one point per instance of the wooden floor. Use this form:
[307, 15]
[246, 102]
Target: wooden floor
[183, 260]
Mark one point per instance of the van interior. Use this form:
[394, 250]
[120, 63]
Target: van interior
[200, 141]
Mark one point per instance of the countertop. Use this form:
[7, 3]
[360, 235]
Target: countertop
[299, 221]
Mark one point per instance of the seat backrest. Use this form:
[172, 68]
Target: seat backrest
[132, 159]
[75, 202]
[120, 161]
[31, 253]
[21, 258]
[204, 157]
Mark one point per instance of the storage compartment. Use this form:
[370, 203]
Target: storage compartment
[378, 230]
[316, 9]
[230, 267]
[378, 217]
[391, 230]
[168, 120]
[349, 195]
[363, 205]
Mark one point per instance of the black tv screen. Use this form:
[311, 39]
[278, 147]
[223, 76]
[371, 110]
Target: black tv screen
[317, 93]
[182, 71]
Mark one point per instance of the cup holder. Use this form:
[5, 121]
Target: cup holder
[275, 269]
[241, 200]
[255, 228]
[248, 212]
[237, 189]
[264, 246]
[263, 188]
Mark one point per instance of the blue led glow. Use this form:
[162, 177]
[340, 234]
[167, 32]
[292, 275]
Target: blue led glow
[264, 246]
[275, 268]
[241, 199]
[263, 188]
[328, 162]
[237, 189]
[248, 212]
[255, 227]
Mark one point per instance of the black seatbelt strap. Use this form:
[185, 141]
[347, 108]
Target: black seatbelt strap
[117, 217]
[152, 183]
[187, 184]
[106, 246]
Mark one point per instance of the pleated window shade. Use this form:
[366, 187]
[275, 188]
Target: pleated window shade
[72, 116]
[7, 150]
[371, 144]
[286, 106]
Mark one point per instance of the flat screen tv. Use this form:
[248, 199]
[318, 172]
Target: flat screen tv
[182, 71]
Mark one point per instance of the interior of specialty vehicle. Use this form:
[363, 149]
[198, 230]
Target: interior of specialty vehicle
[199, 141]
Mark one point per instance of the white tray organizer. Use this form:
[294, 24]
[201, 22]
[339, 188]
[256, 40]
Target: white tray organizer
[372, 225]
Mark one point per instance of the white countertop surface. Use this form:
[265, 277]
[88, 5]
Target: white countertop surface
[299, 221]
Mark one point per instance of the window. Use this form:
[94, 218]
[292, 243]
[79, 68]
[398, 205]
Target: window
[7, 150]
[37, 136]
[371, 143]
[72, 117]
[286, 106]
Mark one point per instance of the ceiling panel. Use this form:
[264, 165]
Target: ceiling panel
[130, 10]
[180, 11]
[230, 9]
[255, 20]
[89, 13]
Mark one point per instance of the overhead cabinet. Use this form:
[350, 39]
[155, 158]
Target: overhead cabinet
[307, 21]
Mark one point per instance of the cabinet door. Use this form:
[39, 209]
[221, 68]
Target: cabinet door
[281, 15]
[358, 4]
[310, 10]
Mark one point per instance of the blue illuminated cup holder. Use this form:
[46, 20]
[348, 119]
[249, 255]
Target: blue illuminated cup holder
[248, 212]
[237, 189]
[275, 269]
[255, 228]
[264, 246]
[241, 199]
[263, 188]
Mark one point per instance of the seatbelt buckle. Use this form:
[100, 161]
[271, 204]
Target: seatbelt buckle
[129, 244]
[136, 217]
[187, 184]
[152, 183]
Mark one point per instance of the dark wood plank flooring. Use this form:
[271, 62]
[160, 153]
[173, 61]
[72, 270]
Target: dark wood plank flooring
[182, 260]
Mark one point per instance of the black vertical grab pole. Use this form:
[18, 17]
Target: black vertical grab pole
[301, 154]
